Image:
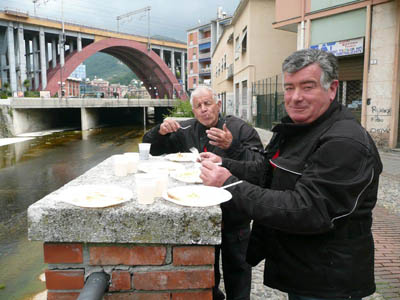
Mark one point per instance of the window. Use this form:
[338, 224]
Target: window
[194, 53]
[225, 62]
[244, 40]
[237, 48]
[191, 67]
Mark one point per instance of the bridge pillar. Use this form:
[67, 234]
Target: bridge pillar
[173, 62]
[162, 54]
[3, 64]
[11, 57]
[43, 70]
[79, 42]
[53, 54]
[21, 55]
[89, 118]
[35, 62]
[28, 60]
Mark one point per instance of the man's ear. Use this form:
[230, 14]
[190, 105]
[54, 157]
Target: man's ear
[219, 103]
[333, 89]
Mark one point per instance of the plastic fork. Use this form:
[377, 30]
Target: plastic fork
[185, 127]
[196, 153]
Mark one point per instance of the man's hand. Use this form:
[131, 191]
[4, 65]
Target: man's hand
[220, 138]
[209, 156]
[168, 126]
[213, 175]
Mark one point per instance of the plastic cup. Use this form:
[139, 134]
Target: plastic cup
[144, 151]
[132, 161]
[120, 165]
[162, 182]
[146, 188]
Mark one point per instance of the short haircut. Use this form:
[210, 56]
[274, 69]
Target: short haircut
[201, 88]
[305, 57]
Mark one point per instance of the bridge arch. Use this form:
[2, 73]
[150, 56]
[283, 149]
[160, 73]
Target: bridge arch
[147, 65]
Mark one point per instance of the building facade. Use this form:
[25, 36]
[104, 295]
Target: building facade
[365, 36]
[201, 41]
[249, 50]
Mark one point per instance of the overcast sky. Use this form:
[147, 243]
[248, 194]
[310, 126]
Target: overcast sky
[167, 17]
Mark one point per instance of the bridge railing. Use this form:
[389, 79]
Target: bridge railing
[86, 102]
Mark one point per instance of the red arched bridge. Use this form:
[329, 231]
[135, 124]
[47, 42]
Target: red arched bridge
[36, 51]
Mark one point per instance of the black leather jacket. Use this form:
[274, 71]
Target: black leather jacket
[312, 206]
[245, 138]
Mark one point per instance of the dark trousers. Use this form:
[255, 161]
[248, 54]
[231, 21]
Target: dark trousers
[236, 271]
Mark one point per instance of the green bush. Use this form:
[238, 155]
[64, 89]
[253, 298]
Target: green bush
[32, 94]
[3, 95]
[181, 109]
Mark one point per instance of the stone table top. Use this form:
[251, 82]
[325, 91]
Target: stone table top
[162, 222]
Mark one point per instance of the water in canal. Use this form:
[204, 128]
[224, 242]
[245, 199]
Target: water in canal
[29, 171]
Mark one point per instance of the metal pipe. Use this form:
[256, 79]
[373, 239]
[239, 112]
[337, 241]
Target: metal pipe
[95, 287]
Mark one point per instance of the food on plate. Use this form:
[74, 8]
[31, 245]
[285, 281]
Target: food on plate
[180, 196]
[180, 156]
[188, 175]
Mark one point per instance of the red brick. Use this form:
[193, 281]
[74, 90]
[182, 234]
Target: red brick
[138, 296]
[120, 281]
[62, 253]
[64, 279]
[203, 295]
[178, 279]
[62, 296]
[127, 255]
[193, 256]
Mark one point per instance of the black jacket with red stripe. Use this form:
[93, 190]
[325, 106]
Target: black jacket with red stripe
[245, 138]
[312, 206]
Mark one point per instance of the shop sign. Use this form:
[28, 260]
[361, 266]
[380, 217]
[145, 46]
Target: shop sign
[343, 48]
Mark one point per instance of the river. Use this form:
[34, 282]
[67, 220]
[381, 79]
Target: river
[29, 171]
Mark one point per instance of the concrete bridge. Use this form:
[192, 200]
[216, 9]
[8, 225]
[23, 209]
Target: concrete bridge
[37, 114]
[46, 52]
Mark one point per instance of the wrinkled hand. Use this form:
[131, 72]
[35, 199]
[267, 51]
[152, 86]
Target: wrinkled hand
[220, 138]
[168, 126]
[209, 156]
[213, 175]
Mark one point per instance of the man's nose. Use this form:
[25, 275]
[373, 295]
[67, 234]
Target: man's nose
[297, 94]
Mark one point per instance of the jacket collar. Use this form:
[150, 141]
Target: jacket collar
[288, 127]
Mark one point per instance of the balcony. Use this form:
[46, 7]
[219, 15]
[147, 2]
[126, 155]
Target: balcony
[229, 73]
[205, 40]
[204, 71]
[206, 55]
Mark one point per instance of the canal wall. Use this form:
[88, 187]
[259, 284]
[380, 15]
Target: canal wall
[5, 121]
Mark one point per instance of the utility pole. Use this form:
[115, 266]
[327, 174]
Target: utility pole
[135, 12]
[62, 42]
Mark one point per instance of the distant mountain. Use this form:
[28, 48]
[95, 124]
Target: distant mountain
[108, 68]
[166, 38]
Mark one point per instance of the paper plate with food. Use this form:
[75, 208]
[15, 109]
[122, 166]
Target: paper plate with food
[154, 166]
[197, 195]
[181, 156]
[95, 196]
[187, 175]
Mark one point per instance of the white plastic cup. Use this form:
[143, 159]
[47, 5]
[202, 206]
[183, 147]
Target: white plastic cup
[145, 188]
[144, 151]
[162, 182]
[132, 161]
[120, 165]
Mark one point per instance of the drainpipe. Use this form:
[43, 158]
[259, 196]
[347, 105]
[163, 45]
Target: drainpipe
[95, 287]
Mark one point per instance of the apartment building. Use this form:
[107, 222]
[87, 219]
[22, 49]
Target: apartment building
[201, 41]
[365, 36]
[249, 50]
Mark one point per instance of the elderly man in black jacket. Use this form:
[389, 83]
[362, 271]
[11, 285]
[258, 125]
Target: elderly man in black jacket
[227, 137]
[312, 197]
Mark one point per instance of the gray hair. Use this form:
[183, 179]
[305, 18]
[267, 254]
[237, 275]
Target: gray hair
[202, 88]
[303, 58]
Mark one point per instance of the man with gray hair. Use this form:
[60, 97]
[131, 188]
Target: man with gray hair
[228, 137]
[311, 199]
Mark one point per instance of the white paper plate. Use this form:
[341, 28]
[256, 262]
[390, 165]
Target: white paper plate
[188, 175]
[154, 166]
[95, 195]
[197, 195]
[181, 156]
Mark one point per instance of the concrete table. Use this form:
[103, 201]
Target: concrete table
[161, 248]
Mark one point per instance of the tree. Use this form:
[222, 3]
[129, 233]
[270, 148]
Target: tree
[27, 84]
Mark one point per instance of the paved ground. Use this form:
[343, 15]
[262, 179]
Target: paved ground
[386, 230]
